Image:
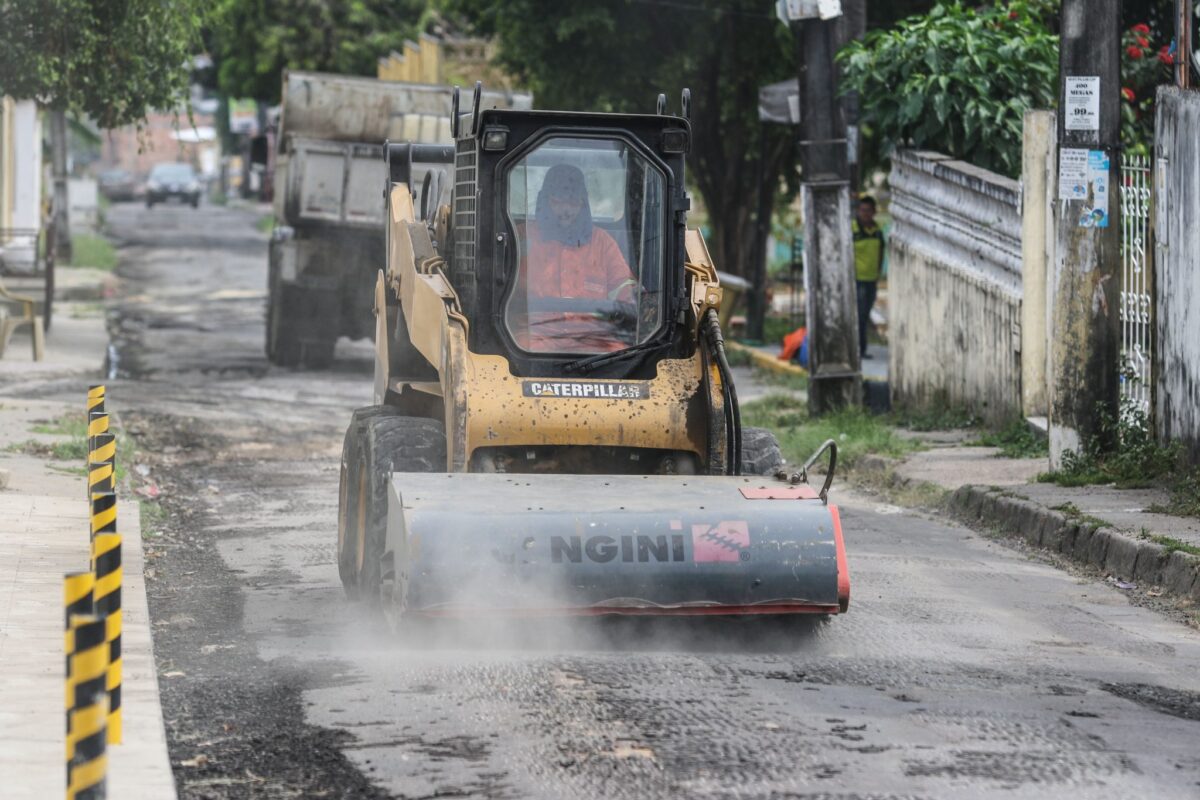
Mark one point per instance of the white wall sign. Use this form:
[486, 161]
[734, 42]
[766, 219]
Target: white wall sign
[1072, 173]
[1082, 99]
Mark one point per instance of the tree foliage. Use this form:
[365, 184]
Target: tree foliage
[111, 60]
[253, 41]
[617, 55]
[957, 80]
[1145, 64]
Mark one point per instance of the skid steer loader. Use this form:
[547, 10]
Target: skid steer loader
[555, 428]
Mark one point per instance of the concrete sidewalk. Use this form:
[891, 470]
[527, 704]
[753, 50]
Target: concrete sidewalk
[1106, 528]
[44, 522]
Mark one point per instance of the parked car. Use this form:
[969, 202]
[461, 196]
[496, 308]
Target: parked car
[118, 184]
[168, 181]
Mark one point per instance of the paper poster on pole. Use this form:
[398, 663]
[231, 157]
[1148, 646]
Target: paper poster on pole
[1082, 98]
[1084, 175]
[1097, 171]
[1072, 173]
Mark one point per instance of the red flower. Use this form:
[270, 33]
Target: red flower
[1141, 27]
[1143, 42]
[1133, 52]
[1164, 55]
[1128, 94]
[1013, 15]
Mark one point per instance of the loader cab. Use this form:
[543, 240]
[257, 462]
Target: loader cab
[567, 233]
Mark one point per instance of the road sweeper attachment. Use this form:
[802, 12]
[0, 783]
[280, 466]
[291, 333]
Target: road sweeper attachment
[555, 428]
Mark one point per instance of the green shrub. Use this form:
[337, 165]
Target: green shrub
[957, 80]
[1016, 440]
[1123, 451]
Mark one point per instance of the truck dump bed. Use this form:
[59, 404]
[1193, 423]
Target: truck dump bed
[345, 108]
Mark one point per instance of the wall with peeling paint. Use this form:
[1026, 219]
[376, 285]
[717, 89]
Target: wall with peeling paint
[1177, 268]
[954, 286]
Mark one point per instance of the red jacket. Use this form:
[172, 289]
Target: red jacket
[594, 270]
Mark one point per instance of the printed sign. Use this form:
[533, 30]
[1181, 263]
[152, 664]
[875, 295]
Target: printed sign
[1095, 213]
[1083, 175]
[1072, 173]
[1082, 97]
[588, 390]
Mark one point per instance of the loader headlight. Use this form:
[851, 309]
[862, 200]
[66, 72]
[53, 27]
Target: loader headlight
[495, 138]
[675, 140]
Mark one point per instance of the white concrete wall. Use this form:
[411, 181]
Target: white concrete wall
[1177, 268]
[1038, 186]
[954, 286]
[23, 182]
[85, 203]
[27, 165]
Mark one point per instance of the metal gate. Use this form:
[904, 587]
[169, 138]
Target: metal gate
[1135, 283]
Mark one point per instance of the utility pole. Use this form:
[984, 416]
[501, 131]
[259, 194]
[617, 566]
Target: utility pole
[62, 206]
[1184, 31]
[835, 375]
[1084, 328]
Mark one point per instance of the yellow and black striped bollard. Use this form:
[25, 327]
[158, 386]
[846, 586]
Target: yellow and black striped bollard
[106, 556]
[104, 513]
[96, 425]
[95, 398]
[87, 708]
[102, 452]
[78, 590]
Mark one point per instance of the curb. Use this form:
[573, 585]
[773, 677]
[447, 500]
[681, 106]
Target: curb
[1125, 557]
[1116, 553]
[765, 360]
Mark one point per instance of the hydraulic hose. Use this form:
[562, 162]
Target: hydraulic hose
[733, 414]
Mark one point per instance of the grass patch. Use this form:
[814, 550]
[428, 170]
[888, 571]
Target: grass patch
[153, 515]
[90, 250]
[59, 451]
[1015, 440]
[856, 431]
[1123, 452]
[1171, 545]
[1072, 511]
[74, 427]
[908, 493]
[785, 380]
[265, 224]
[1185, 496]
[71, 424]
[935, 418]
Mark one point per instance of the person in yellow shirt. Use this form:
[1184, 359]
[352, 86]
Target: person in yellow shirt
[868, 264]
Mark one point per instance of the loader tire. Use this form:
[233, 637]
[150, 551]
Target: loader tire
[347, 550]
[388, 442]
[760, 452]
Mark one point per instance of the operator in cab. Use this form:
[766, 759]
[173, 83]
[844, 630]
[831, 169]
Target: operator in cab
[569, 258]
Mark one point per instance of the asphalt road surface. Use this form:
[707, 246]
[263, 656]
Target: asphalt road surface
[964, 668]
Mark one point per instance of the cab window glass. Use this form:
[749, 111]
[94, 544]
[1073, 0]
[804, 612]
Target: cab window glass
[588, 221]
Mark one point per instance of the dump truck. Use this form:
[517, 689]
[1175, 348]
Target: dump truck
[328, 240]
[555, 427]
